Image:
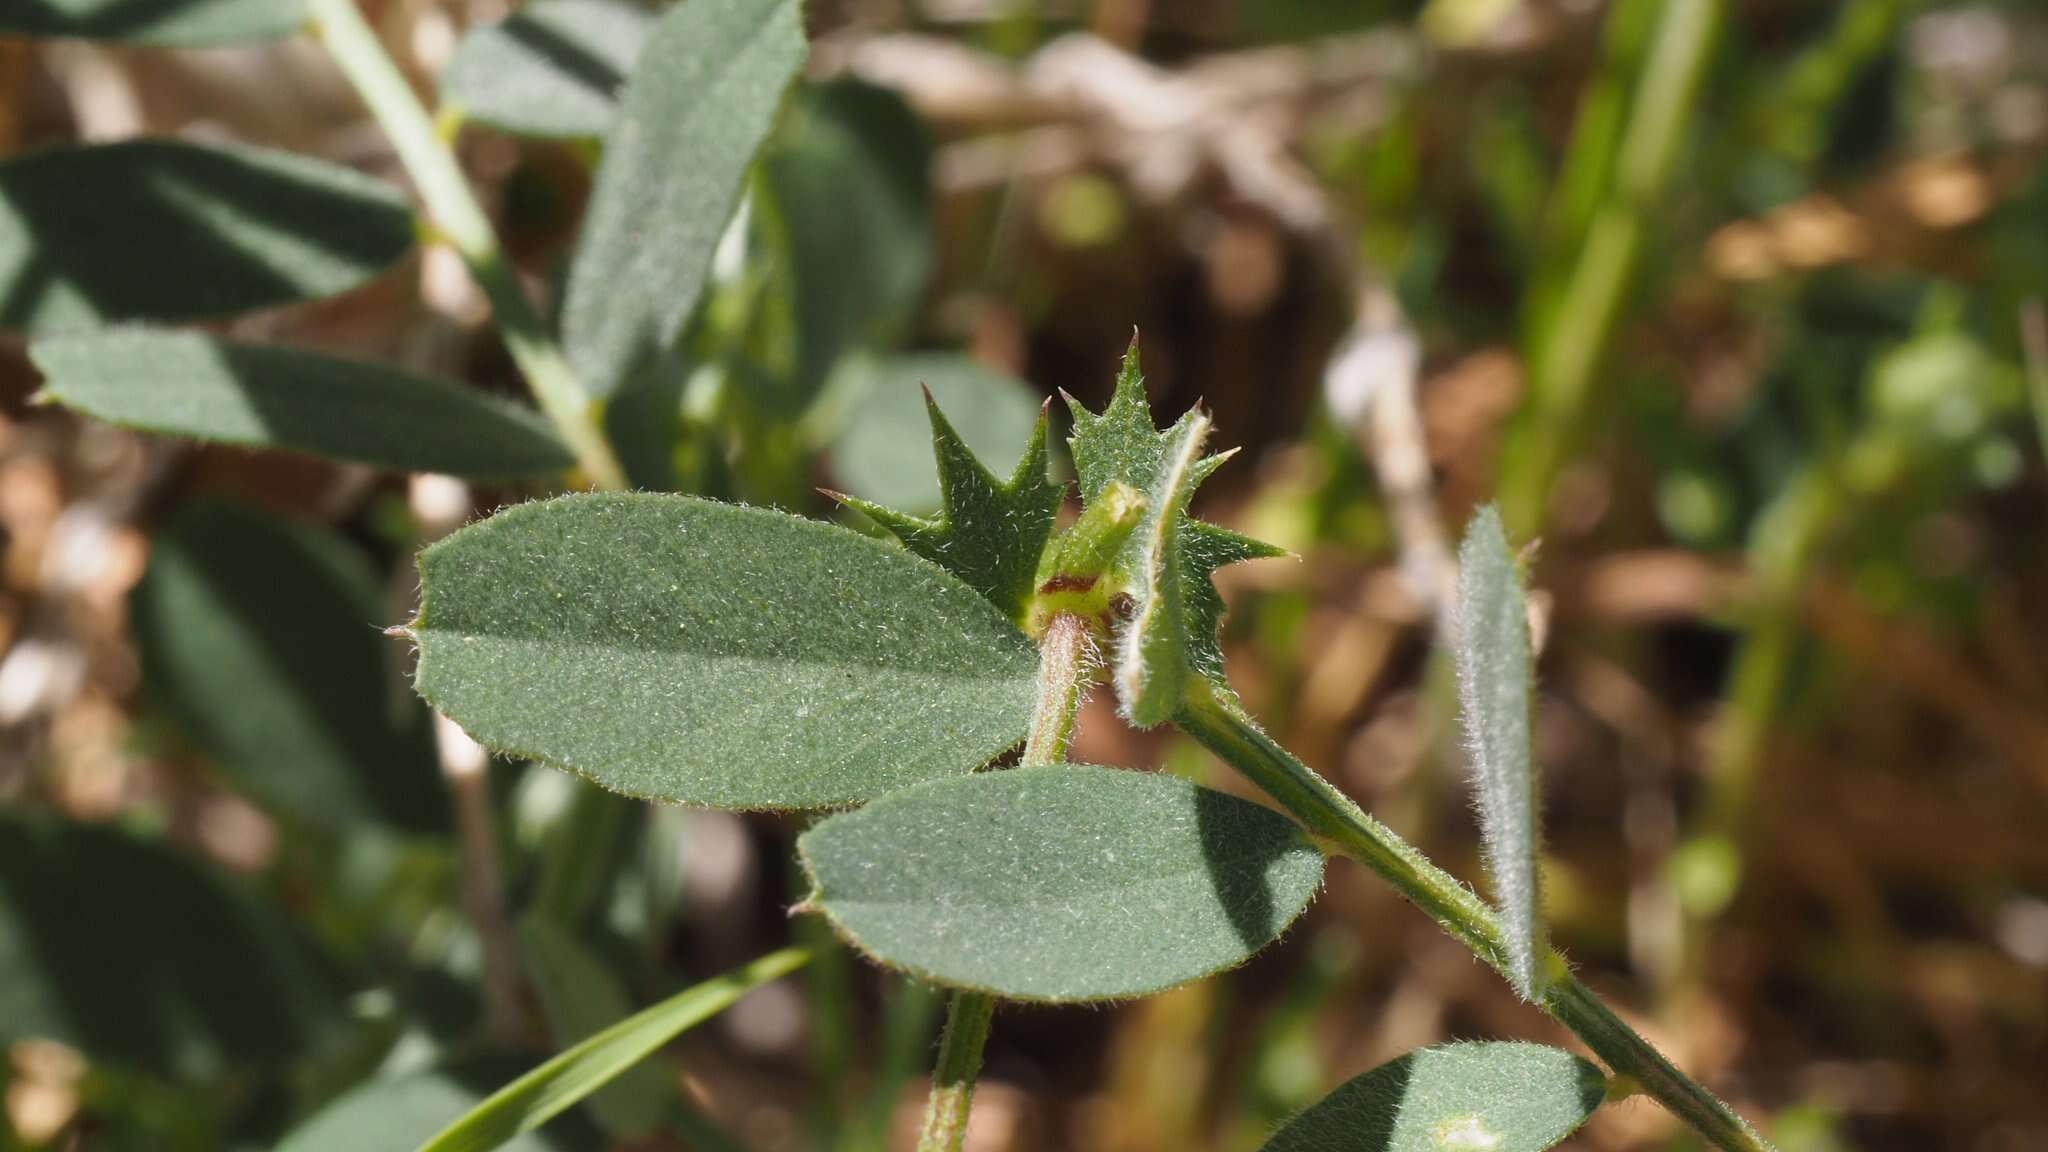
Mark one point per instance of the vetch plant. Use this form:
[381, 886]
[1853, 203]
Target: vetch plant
[687, 651]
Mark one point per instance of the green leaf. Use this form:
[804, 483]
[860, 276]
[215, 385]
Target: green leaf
[553, 68]
[258, 636]
[1061, 882]
[529, 1101]
[1494, 687]
[992, 531]
[165, 230]
[397, 1113]
[583, 998]
[690, 119]
[168, 23]
[142, 957]
[1456, 1098]
[1171, 557]
[260, 396]
[994, 415]
[676, 649]
[850, 179]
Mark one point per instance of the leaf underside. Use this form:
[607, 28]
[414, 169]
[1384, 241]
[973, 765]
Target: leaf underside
[690, 119]
[165, 230]
[990, 532]
[1060, 882]
[261, 396]
[1481, 1097]
[678, 649]
[553, 68]
[166, 23]
[1494, 685]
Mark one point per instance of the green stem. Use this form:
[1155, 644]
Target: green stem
[1575, 334]
[1065, 662]
[454, 214]
[1221, 725]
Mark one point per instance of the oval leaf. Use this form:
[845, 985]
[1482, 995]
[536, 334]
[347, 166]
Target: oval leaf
[1457, 1098]
[692, 115]
[142, 957]
[1061, 882]
[676, 649]
[528, 1102]
[401, 1112]
[165, 230]
[259, 396]
[258, 636]
[1494, 690]
[553, 68]
[170, 23]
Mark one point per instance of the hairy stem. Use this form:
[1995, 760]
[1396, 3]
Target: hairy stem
[1223, 727]
[453, 211]
[1065, 662]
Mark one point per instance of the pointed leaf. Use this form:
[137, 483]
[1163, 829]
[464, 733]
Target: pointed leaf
[677, 649]
[553, 68]
[258, 636]
[582, 998]
[168, 23]
[401, 1112]
[531, 1100]
[1171, 556]
[1061, 882]
[1456, 1098]
[145, 958]
[991, 532]
[165, 230]
[1494, 685]
[851, 183]
[692, 115]
[994, 414]
[260, 396]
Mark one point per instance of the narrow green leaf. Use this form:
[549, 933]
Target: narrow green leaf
[1457, 1098]
[166, 230]
[676, 649]
[258, 636]
[261, 396]
[167, 23]
[851, 184]
[1060, 882]
[531, 1100]
[145, 958]
[1494, 688]
[582, 998]
[692, 115]
[395, 1113]
[991, 531]
[553, 68]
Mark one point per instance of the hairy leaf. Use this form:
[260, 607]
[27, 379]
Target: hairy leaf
[851, 185]
[400, 1113]
[690, 119]
[552, 68]
[166, 230]
[261, 396]
[1456, 1098]
[582, 998]
[258, 636]
[529, 1102]
[1121, 446]
[144, 958]
[1494, 686]
[677, 649]
[1061, 882]
[169, 23]
[991, 531]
